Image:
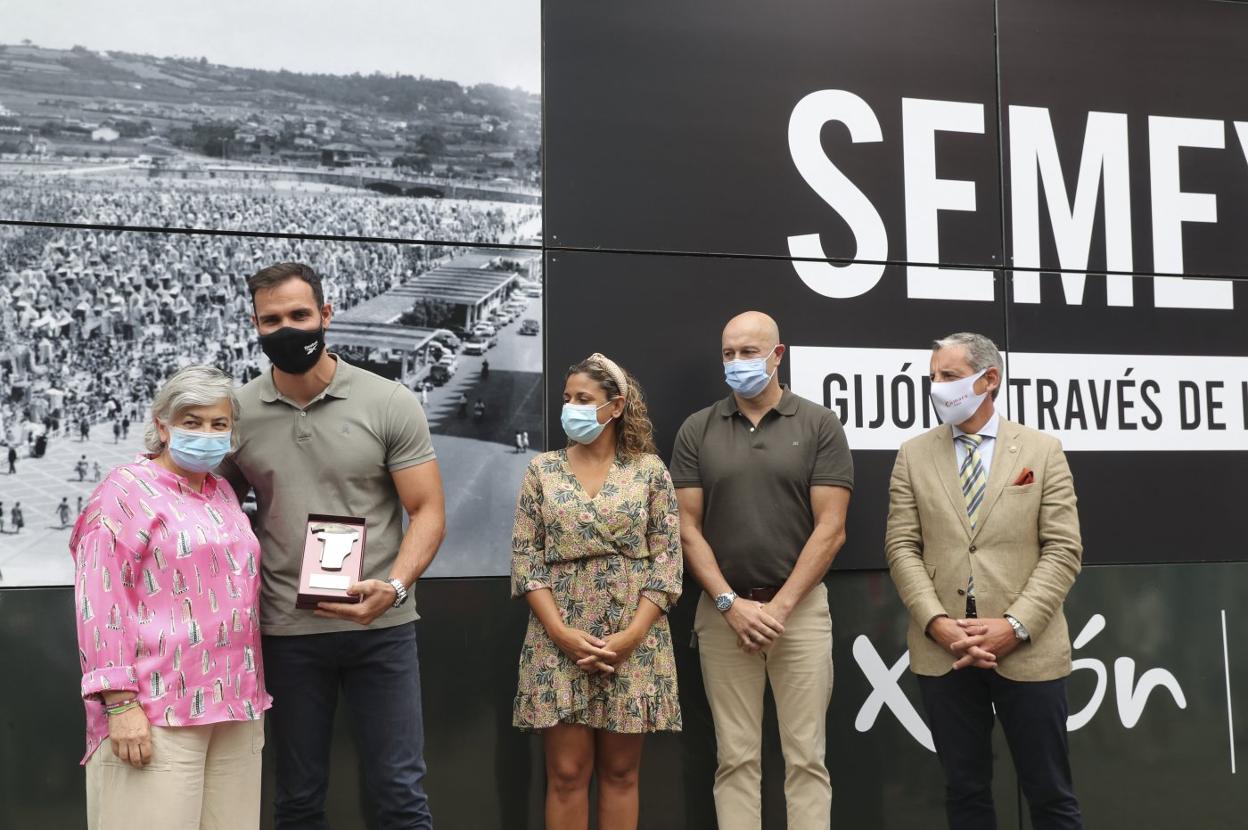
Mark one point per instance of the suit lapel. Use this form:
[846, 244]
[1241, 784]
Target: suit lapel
[945, 461]
[1005, 460]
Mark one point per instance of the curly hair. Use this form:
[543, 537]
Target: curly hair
[634, 435]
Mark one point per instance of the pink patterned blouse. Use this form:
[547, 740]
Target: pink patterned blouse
[166, 589]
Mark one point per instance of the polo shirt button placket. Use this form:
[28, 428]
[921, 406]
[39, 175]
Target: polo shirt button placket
[303, 431]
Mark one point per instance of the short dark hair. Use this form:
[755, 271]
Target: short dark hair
[275, 275]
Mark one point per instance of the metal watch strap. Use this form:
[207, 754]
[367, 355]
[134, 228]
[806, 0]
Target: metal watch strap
[400, 592]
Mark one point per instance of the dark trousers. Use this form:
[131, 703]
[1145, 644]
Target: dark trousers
[378, 671]
[1033, 716]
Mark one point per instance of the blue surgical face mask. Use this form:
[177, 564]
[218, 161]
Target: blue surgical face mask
[748, 378]
[580, 422]
[197, 452]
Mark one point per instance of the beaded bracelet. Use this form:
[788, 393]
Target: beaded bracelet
[123, 706]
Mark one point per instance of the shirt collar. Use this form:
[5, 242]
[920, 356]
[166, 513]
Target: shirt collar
[787, 405]
[339, 387]
[174, 481]
[988, 430]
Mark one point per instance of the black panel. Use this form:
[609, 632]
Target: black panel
[667, 124]
[1177, 764]
[1169, 58]
[1192, 495]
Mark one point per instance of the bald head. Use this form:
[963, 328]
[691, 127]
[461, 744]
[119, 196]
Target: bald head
[751, 335]
[754, 325]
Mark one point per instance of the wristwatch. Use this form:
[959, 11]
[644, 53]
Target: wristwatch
[400, 592]
[1019, 631]
[725, 600]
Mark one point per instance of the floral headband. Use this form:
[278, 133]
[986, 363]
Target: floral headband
[612, 369]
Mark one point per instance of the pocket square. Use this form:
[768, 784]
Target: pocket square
[1026, 477]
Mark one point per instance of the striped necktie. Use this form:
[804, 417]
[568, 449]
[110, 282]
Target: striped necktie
[972, 475]
[974, 481]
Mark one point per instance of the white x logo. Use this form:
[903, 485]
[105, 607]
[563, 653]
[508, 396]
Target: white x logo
[886, 692]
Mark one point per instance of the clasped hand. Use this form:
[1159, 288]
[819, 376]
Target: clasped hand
[974, 642]
[594, 654]
[757, 625]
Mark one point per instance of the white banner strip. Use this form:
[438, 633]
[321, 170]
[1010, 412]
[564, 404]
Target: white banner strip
[1102, 402]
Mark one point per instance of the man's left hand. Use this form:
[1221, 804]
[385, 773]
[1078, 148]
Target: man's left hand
[378, 597]
[997, 638]
[779, 614]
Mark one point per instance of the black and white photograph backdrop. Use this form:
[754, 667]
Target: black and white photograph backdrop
[92, 321]
[390, 122]
[415, 121]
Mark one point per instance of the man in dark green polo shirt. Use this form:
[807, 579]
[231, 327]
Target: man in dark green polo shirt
[763, 479]
[317, 435]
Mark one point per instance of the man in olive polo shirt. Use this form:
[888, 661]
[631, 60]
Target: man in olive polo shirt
[763, 479]
[317, 435]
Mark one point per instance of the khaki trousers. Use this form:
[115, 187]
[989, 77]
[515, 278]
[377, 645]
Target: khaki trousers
[200, 778]
[799, 667]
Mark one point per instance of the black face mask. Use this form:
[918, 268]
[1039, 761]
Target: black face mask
[293, 350]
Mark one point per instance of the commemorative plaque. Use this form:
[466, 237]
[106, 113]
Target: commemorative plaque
[333, 559]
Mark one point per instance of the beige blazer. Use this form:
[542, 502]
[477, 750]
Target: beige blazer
[1025, 552]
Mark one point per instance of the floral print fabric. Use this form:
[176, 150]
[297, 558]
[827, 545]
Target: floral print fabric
[599, 556]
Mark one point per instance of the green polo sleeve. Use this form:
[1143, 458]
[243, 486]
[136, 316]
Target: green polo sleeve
[834, 464]
[684, 466]
[407, 438]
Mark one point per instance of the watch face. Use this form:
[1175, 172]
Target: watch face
[724, 601]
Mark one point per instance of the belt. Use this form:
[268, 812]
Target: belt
[758, 594]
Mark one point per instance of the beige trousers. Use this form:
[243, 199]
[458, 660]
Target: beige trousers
[200, 778]
[799, 667]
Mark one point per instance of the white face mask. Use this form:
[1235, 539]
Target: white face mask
[956, 400]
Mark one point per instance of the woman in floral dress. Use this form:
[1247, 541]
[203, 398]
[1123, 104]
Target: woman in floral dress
[596, 553]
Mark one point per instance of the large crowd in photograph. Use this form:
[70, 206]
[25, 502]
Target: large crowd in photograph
[142, 146]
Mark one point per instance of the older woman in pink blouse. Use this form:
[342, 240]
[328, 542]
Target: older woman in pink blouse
[166, 585]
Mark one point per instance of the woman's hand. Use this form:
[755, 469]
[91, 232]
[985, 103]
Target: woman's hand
[131, 736]
[624, 643]
[587, 651]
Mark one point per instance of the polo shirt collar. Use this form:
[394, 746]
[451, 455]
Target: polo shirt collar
[268, 389]
[787, 405]
[339, 387]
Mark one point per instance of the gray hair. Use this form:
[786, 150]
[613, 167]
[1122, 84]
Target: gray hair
[981, 352]
[189, 387]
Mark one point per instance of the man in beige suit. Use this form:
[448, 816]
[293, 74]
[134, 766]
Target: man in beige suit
[983, 545]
